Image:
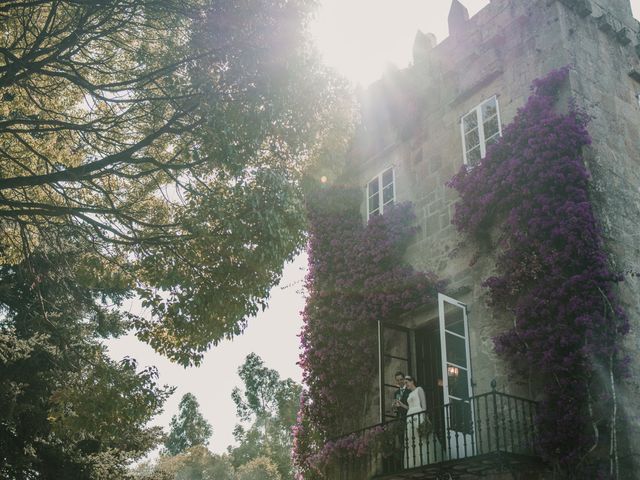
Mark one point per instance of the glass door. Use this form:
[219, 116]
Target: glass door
[456, 375]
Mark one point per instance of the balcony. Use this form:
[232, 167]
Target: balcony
[489, 433]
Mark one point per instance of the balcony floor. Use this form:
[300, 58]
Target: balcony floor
[469, 468]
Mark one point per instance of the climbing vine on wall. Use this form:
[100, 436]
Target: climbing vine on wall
[356, 277]
[529, 200]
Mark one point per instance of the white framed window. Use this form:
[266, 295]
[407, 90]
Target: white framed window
[381, 193]
[480, 128]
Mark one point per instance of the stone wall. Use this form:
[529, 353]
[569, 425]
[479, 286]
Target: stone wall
[602, 59]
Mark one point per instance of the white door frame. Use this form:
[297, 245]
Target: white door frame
[442, 299]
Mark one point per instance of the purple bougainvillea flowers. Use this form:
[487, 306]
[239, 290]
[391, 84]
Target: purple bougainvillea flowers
[529, 199]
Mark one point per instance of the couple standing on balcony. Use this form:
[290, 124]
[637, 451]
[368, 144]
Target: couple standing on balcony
[421, 445]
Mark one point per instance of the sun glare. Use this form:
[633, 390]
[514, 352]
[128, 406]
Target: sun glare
[354, 38]
[360, 38]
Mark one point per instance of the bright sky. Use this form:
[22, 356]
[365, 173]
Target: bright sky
[359, 38]
[272, 335]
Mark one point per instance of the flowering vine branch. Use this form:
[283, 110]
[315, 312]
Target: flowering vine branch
[356, 277]
[529, 200]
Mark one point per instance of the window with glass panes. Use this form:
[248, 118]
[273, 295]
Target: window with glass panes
[380, 193]
[480, 128]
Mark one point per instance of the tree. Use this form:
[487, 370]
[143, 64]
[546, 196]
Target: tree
[172, 137]
[195, 463]
[66, 409]
[251, 443]
[261, 387]
[270, 406]
[221, 468]
[188, 428]
[260, 468]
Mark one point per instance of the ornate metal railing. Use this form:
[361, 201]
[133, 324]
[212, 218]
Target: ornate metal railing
[491, 431]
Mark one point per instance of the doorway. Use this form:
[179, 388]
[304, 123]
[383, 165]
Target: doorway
[443, 368]
[429, 371]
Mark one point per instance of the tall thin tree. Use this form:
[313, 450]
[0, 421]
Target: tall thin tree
[188, 428]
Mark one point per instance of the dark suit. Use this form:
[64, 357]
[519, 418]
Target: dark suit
[395, 461]
[401, 394]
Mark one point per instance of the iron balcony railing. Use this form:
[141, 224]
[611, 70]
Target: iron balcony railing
[467, 437]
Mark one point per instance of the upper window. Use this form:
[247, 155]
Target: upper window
[381, 193]
[480, 128]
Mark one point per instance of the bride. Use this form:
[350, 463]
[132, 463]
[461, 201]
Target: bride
[420, 444]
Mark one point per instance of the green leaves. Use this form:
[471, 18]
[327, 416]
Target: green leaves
[270, 404]
[260, 468]
[236, 237]
[188, 428]
[171, 137]
[67, 409]
[196, 463]
[261, 389]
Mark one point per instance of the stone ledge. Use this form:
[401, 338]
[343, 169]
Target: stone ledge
[606, 22]
[635, 74]
[622, 35]
[469, 92]
[582, 7]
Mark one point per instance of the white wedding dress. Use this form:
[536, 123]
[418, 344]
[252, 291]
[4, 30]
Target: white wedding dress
[419, 449]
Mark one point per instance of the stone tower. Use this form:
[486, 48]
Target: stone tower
[482, 72]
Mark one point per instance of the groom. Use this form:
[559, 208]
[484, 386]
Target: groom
[400, 396]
